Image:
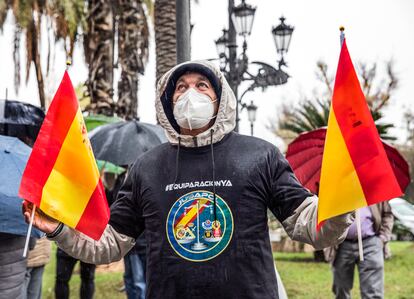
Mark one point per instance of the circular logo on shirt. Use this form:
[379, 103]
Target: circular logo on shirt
[193, 232]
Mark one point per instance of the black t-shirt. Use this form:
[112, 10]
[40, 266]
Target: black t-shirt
[191, 253]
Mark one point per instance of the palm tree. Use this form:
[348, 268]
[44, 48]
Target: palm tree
[98, 47]
[65, 14]
[165, 36]
[313, 115]
[68, 17]
[309, 116]
[133, 35]
[96, 18]
[133, 42]
[28, 16]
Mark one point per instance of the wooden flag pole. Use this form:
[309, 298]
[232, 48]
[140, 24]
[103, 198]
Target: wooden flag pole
[358, 224]
[29, 231]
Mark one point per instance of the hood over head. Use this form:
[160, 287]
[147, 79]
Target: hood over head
[226, 115]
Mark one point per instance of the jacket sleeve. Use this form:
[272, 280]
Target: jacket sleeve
[111, 247]
[387, 222]
[125, 225]
[301, 226]
[296, 208]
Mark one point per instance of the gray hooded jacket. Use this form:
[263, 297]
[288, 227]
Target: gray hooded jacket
[203, 202]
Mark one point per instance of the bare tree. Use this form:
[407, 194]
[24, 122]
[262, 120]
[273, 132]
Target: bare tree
[409, 123]
[377, 95]
[313, 113]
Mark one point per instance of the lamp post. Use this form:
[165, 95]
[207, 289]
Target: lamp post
[236, 68]
[251, 114]
[183, 30]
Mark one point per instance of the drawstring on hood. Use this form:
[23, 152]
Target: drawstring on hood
[177, 160]
[214, 175]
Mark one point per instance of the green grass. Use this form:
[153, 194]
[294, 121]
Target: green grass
[302, 277]
[106, 284]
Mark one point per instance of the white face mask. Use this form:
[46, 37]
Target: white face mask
[193, 110]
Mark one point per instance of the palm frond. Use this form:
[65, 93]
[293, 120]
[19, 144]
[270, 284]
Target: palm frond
[4, 9]
[311, 116]
[67, 16]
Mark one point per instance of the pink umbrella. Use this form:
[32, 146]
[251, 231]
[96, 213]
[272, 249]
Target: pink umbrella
[305, 156]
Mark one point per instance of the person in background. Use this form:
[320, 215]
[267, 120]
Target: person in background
[64, 268]
[135, 269]
[37, 259]
[112, 183]
[13, 265]
[376, 226]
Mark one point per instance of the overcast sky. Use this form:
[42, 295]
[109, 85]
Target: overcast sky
[376, 30]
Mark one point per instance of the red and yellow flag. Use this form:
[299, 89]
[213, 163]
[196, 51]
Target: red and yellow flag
[355, 169]
[61, 176]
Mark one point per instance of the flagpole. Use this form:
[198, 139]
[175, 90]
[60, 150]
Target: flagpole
[68, 64]
[342, 36]
[357, 212]
[359, 232]
[29, 231]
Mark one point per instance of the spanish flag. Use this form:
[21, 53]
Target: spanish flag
[61, 176]
[355, 169]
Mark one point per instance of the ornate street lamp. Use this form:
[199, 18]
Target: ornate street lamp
[251, 114]
[237, 68]
[243, 17]
[221, 43]
[282, 35]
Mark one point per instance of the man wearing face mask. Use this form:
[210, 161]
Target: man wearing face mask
[202, 199]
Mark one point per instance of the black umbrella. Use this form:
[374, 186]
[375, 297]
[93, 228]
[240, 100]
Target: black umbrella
[121, 143]
[20, 120]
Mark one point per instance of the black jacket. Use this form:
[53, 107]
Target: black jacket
[251, 176]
